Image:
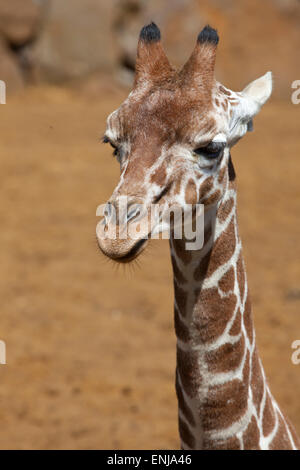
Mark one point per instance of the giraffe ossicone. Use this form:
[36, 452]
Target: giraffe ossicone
[172, 137]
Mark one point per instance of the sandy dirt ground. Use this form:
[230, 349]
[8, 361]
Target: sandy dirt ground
[91, 347]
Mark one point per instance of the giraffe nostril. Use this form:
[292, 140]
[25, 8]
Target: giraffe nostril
[108, 211]
[134, 212]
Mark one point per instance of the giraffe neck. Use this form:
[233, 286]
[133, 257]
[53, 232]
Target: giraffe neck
[224, 401]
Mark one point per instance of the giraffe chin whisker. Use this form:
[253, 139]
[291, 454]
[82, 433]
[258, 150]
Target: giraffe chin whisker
[131, 255]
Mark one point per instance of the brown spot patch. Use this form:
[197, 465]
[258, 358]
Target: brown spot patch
[213, 198]
[212, 314]
[293, 432]
[246, 371]
[223, 248]
[237, 324]
[227, 357]
[224, 405]
[281, 440]
[247, 318]
[226, 283]
[177, 187]
[251, 436]
[268, 416]
[188, 369]
[241, 275]
[206, 186]
[222, 174]
[159, 177]
[257, 381]
[225, 209]
[191, 192]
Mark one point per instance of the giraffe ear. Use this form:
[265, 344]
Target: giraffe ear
[152, 64]
[258, 92]
[252, 98]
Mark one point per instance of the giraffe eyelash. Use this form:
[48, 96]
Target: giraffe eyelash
[106, 140]
[211, 151]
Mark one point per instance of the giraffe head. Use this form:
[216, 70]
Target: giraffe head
[172, 137]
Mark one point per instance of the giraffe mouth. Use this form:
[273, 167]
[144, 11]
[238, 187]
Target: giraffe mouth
[133, 253]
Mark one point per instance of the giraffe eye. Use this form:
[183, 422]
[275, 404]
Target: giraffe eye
[212, 151]
[106, 140]
[116, 151]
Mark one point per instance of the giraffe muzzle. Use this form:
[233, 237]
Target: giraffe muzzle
[123, 233]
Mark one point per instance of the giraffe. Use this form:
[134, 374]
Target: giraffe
[172, 137]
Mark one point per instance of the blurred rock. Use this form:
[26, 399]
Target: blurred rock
[61, 40]
[19, 20]
[256, 37]
[10, 72]
[76, 40]
[179, 20]
[293, 294]
[288, 5]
